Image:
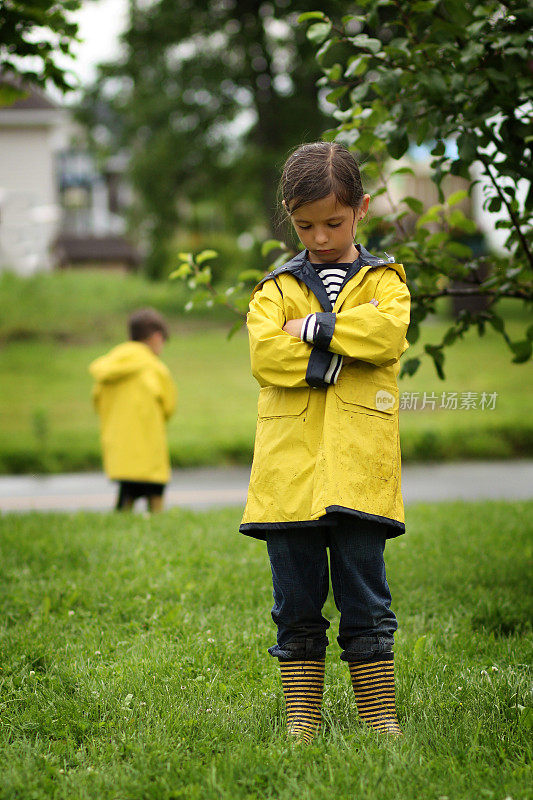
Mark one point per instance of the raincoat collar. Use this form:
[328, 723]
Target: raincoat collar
[304, 270]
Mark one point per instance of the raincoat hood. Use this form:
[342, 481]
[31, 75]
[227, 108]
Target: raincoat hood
[122, 362]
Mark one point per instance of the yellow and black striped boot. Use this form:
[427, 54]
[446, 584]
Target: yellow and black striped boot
[373, 685]
[303, 687]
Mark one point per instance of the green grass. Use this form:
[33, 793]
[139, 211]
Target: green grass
[134, 663]
[54, 325]
[81, 306]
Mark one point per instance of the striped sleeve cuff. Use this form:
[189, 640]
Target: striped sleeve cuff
[334, 368]
[309, 329]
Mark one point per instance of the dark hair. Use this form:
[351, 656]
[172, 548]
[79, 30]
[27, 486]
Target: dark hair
[145, 321]
[318, 169]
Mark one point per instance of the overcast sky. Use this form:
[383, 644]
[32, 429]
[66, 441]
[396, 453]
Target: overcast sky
[100, 24]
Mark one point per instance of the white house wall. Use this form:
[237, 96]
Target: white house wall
[29, 210]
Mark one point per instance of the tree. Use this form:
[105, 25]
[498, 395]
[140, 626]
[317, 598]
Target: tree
[441, 71]
[31, 36]
[209, 98]
[438, 71]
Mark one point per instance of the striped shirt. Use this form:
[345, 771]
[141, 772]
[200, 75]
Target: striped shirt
[332, 276]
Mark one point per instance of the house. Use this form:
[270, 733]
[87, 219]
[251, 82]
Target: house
[32, 130]
[56, 208]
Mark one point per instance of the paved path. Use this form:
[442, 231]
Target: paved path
[200, 489]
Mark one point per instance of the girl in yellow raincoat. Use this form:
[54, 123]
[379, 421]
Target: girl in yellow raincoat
[327, 330]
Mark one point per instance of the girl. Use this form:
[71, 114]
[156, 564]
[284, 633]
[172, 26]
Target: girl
[327, 330]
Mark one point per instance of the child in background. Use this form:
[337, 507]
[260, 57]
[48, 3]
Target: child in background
[134, 395]
[327, 330]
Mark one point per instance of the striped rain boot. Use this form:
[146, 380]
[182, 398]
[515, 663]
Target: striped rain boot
[373, 685]
[303, 686]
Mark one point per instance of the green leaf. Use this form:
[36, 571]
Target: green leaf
[330, 135]
[311, 15]
[360, 92]
[324, 49]
[437, 239]
[458, 220]
[438, 358]
[271, 244]
[334, 73]
[357, 66]
[431, 215]
[236, 327]
[498, 323]
[350, 17]
[188, 257]
[318, 32]
[397, 146]
[459, 250]
[456, 197]
[439, 149]
[410, 366]
[204, 276]
[449, 337]
[522, 351]
[206, 255]
[336, 94]
[414, 204]
[366, 42]
[181, 272]
[403, 171]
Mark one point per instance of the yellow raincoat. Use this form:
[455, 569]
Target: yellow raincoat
[321, 449]
[134, 396]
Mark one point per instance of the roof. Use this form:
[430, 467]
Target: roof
[34, 97]
[33, 108]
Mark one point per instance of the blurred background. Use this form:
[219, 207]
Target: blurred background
[171, 140]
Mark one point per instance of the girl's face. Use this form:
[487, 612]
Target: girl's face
[327, 229]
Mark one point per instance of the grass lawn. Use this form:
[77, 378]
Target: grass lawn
[47, 423]
[134, 663]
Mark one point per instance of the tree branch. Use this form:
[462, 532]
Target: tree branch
[512, 215]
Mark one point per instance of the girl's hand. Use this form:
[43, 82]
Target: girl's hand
[294, 327]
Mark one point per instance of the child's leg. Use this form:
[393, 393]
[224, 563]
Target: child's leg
[125, 499]
[367, 627]
[155, 503]
[301, 581]
[300, 575]
[154, 496]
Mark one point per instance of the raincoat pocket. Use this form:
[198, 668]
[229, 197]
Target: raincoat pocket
[372, 421]
[372, 398]
[277, 401]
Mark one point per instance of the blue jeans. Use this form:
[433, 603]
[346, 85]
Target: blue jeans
[300, 574]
